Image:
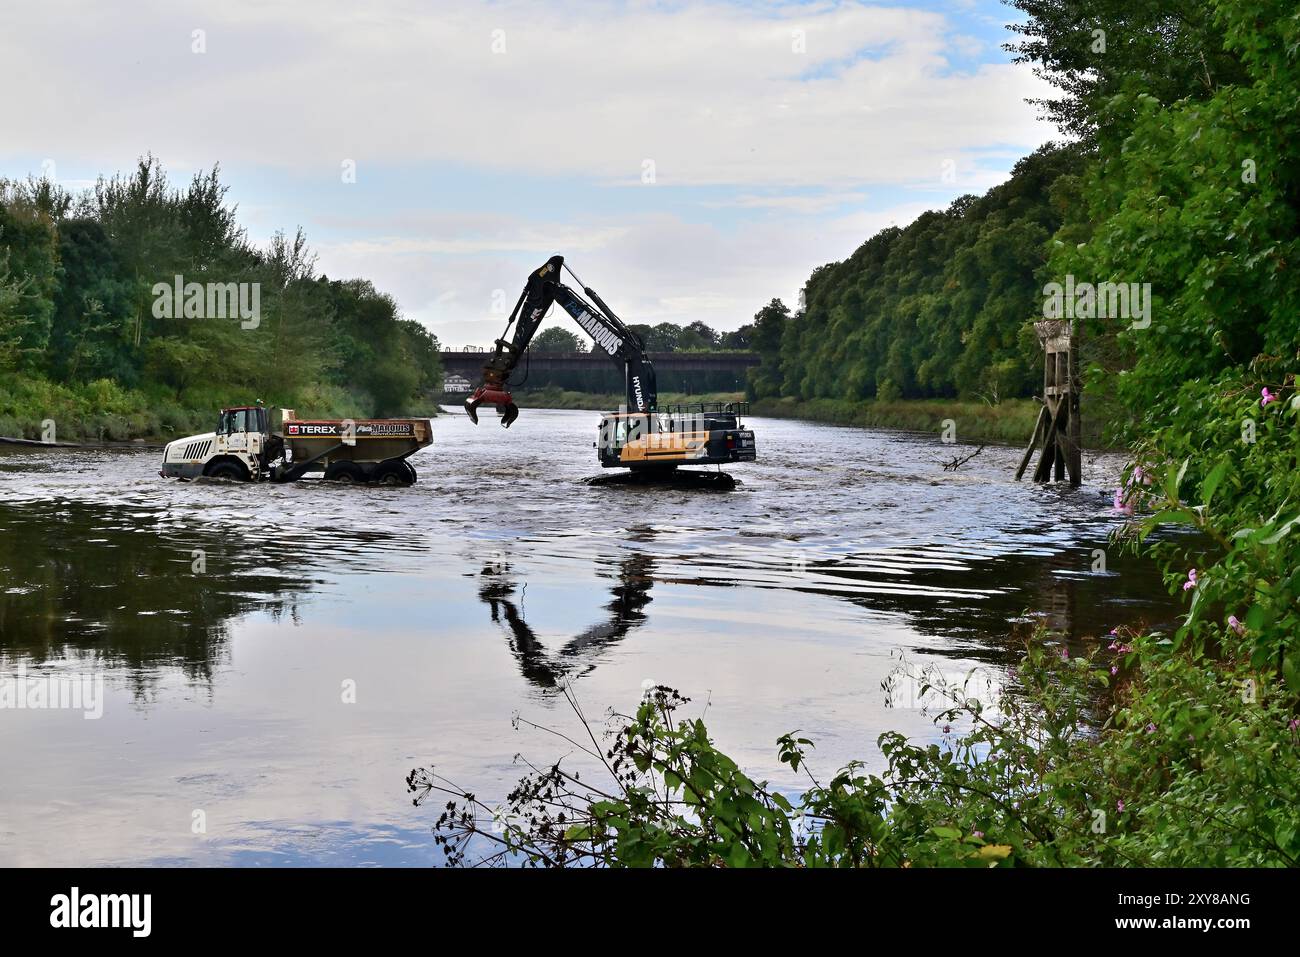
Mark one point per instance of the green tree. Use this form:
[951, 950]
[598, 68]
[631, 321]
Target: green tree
[29, 258]
[93, 309]
[738, 340]
[1093, 50]
[558, 339]
[767, 337]
[697, 337]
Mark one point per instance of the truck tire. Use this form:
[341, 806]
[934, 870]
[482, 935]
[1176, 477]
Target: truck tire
[393, 472]
[227, 470]
[349, 473]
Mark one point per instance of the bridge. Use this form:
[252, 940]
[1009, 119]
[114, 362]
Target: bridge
[596, 372]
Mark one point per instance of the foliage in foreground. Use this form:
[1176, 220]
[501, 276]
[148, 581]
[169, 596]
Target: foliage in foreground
[1197, 766]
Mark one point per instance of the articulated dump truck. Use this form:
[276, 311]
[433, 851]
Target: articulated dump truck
[345, 450]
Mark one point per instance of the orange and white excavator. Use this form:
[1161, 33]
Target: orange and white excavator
[639, 436]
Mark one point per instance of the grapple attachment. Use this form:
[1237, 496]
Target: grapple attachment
[502, 399]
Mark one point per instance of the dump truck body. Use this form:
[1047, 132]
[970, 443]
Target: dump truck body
[354, 440]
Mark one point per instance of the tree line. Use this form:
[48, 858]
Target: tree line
[85, 304]
[937, 308]
[943, 307]
[665, 337]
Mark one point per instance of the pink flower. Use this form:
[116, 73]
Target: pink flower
[1295, 723]
[1266, 397]
[1120, 505]
[1119, 806]
[979, 834]
[1151, 728]
[947, 729]
[1140, 475]
[1236, 625]
[1114, 669]
[1191, 580]
[1065, 654]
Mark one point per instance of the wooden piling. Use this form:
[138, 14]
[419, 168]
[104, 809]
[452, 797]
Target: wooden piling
[1058, 421]
[1033, 443]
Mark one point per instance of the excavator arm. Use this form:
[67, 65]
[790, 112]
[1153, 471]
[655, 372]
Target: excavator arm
[544, 288]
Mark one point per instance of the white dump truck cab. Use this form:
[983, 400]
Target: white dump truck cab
[241, 447]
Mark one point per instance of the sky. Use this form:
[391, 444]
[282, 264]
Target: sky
[691, 161]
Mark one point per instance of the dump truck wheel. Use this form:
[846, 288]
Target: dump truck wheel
[227, 470]
[393, 472]
[410, 471]
[348, 473]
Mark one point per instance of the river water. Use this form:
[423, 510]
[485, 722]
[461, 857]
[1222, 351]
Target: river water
[275, 659]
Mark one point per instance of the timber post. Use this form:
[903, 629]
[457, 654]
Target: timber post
[1057, 431]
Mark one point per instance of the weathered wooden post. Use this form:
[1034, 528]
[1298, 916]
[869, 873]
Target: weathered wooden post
[1057, 431]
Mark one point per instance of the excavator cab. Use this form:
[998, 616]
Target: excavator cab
[697, 434]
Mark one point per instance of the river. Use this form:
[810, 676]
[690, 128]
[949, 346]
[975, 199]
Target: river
[275, 659]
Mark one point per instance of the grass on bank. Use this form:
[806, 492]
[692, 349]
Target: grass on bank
[1010, 421]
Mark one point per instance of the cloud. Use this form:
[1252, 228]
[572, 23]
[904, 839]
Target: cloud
[530, 238]
[488, 136]
[711, 93]
[656, 269]
[798, 202]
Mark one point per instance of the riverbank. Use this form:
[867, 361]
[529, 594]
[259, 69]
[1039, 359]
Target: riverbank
[1010, 422]
[103, 411]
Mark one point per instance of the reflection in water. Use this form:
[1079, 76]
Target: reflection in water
[783, 600]
[545, 670]
[124, 590]
[90, 581]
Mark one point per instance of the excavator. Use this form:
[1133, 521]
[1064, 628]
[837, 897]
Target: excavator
[639, 436]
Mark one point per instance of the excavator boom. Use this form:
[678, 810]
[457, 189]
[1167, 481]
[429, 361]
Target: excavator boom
[543, 289]
[639, 436]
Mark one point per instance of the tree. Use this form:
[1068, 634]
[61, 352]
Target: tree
[922, 311]
[738, 340]
[176, 363]
[558, 339]
[697, 337]
[665, 337]
[93, 308]
[767, 337]
[29, 258]
[1092, 50]
[426, 354]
